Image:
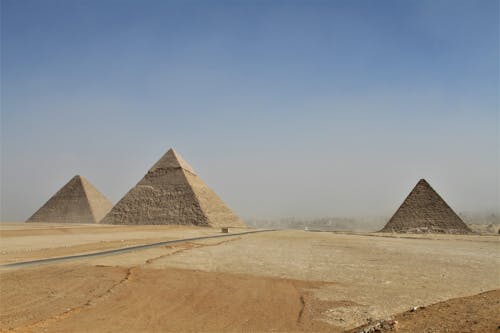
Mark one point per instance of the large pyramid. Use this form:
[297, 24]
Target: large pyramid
[172, 193]
[76, 202]
[425, 211]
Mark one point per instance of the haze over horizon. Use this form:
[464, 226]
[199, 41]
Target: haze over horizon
[284, 108]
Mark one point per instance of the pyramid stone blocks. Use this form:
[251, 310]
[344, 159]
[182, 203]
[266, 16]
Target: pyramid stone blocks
[425, 211]
[76, 202]
[172, 193]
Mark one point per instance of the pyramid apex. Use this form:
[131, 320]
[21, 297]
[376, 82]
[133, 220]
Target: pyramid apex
[422, 183]
[172, 159]
[78, 179]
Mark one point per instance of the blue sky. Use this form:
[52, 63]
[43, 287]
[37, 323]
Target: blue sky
[285, 108]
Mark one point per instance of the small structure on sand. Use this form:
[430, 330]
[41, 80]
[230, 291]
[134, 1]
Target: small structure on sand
[424, 211]
[76, 202]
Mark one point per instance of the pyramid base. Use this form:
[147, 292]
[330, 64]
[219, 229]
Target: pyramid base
[429, 230]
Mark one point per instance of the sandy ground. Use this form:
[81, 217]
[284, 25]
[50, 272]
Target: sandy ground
[277, 281]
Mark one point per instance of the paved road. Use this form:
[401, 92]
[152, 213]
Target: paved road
[122, 250]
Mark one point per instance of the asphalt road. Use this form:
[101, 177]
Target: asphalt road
[121, 250]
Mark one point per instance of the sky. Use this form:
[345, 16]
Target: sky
[283, 107]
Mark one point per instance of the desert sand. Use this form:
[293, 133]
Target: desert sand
[276, 281]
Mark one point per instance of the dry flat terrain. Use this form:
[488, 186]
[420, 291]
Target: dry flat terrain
[276, 281]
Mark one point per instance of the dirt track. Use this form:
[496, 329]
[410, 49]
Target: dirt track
[281, 281]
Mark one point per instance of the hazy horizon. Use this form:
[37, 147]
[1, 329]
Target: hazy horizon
[284, 108]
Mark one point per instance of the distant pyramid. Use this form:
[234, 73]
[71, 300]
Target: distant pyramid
[76, 202]
[425, 211]
[172, 193]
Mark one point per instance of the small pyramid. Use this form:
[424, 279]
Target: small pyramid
[76, 202]
[425, 211]
[172, 193]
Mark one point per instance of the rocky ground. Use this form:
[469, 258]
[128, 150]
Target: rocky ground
[478, 313]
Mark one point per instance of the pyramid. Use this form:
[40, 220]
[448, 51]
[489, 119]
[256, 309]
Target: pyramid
[76, 202]
[172, 193]
[425, 211]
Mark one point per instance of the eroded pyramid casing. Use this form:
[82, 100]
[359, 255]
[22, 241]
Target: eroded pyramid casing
[172, 193]
[425, 211]
[76, 202]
